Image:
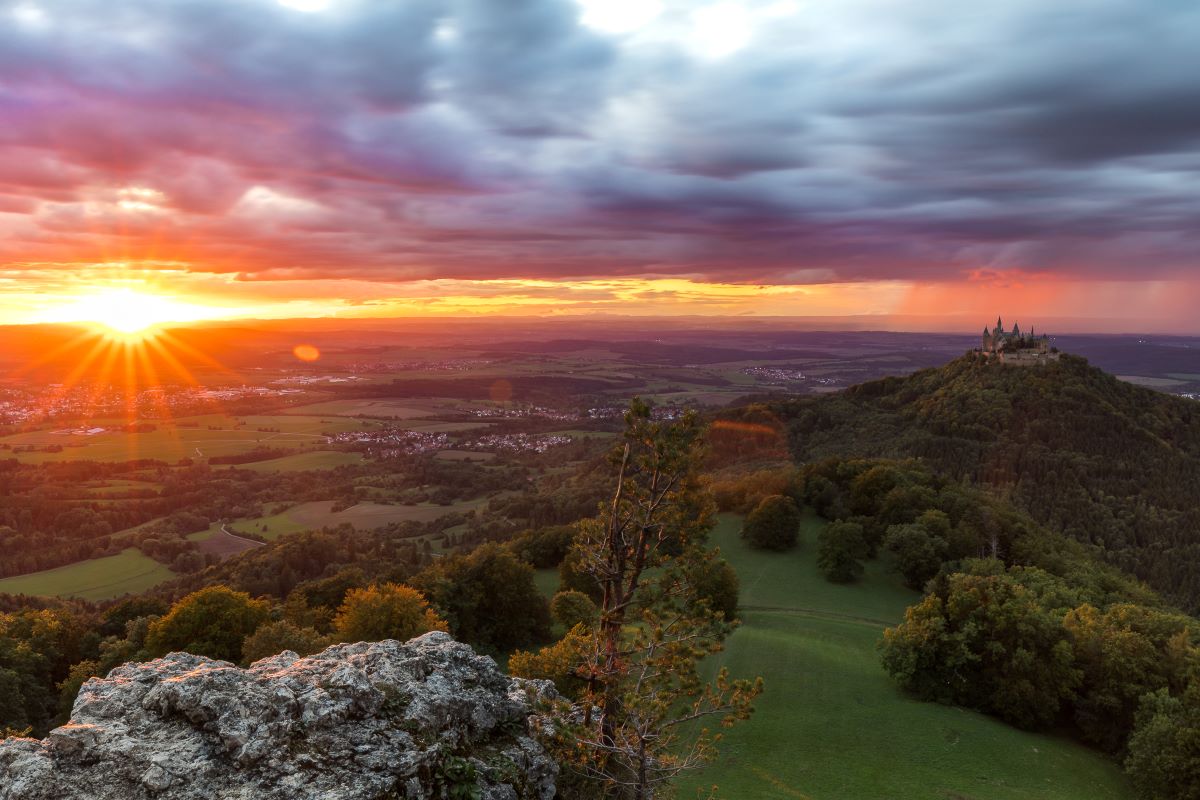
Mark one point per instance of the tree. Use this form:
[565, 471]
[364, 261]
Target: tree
[774, 524]
[571, 608]
[712, 580]
[1164, 751]
[642, 686]
[1125, 653]
[918, 553]
[488, 597]
[571, 575]
[211, 622]
[985, 642]
[275, 637]
[840, 548]
[385, 611]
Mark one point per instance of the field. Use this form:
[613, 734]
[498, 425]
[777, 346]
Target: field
[299, 462]
[191, 437]
[320, 514]
[831, 724]
[97, 579]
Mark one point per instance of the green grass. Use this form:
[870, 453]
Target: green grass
[464, 455]
[95, 579]
[189, 437]
[365, 515]
[832, 725]
[547, 581]
[300, 462]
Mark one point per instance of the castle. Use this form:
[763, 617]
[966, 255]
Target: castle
[1014, 347]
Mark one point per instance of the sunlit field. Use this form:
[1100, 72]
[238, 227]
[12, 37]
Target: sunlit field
[97, 579]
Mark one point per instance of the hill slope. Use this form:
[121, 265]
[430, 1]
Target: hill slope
[831, 724]
[1101, 460]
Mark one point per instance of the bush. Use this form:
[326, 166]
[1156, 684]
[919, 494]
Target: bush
[774, 524]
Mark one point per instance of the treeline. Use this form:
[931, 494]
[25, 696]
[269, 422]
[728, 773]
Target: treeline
[44, 523]
[1105, 462]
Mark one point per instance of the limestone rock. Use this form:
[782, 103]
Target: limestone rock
[424, 720]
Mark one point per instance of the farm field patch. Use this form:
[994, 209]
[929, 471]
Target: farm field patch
[104, 578]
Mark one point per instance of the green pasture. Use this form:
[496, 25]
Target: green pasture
[366, 515]
[301, 462]
[464, 455]
[381, 409]
[96, 579]
[547, 581]
[192, 437]
[832, 725]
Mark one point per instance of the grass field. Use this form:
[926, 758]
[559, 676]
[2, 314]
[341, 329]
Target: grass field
[96, 579]
[464, 455]
[381, 409]
[547, 581]
[191, 437]
[832, 725]
[300, 462]
[320, 514]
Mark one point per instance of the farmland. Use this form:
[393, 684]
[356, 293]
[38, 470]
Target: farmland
[127, 572]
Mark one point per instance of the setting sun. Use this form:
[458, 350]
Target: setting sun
[129, 312]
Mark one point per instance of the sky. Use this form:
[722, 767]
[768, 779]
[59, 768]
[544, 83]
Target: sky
[552, 157]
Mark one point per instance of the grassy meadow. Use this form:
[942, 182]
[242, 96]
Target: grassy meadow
[96, 579]
[831, 725]
[365, 515]
[191, 437]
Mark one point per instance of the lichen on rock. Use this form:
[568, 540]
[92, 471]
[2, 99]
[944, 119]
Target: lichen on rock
[421, 720]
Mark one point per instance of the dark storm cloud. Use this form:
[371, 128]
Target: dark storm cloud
[476, 138]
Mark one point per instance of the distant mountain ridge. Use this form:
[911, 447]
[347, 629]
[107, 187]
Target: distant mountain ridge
[1106, 462]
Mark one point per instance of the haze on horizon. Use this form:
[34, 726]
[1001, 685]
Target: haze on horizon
[918, 163]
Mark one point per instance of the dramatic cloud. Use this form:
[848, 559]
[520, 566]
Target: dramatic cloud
[772, 141]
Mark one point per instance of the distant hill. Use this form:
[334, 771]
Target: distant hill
[1104, 461]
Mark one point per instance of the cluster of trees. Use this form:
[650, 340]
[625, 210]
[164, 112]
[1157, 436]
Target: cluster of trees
[1017, 642]
[1017, 621]
[1100, 460]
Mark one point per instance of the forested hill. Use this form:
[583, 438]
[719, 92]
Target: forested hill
[1102, 460]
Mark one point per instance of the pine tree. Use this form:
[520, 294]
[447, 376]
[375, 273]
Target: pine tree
[643, 700]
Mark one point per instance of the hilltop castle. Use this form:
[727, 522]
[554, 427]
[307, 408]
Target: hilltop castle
[1014, 347]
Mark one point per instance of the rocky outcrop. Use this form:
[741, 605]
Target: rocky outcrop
[424, 719]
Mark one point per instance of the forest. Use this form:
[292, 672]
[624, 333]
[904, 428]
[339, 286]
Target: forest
[1108, 463]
